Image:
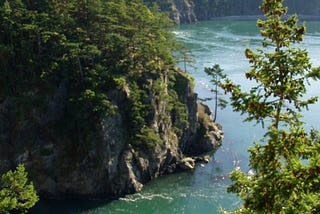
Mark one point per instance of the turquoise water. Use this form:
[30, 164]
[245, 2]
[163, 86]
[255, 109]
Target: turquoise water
[204, 190]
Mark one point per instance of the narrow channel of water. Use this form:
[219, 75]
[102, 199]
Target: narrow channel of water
[204, 190]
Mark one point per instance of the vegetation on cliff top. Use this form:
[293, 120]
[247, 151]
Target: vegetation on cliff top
[69, 58]
[90, 47]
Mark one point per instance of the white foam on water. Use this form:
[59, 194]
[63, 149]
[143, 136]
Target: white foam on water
[147, 196]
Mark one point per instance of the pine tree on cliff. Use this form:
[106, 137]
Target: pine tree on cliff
[286, 161]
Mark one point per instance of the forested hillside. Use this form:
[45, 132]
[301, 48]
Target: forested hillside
[191, 10]
[90, 98]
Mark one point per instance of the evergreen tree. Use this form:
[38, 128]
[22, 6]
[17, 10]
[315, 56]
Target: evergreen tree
[16, 193]
[216, 74]
[286, 161]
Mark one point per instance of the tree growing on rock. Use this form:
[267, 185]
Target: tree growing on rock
[286, 161]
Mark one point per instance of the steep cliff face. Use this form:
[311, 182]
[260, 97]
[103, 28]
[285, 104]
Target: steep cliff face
[180, 11]
[187, 11]
[183, 12]
[101, 160]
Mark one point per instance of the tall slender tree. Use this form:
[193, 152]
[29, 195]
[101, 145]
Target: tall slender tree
[286, 161]
[216, 73]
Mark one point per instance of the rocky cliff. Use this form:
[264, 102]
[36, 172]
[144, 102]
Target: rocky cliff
[90, 99]
[180, 11]
[101, 159]
[183, 12]
[187, 11]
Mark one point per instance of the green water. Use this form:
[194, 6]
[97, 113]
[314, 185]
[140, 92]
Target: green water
[204, 190]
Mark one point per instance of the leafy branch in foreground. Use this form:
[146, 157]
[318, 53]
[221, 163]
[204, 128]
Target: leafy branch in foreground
[286, 161]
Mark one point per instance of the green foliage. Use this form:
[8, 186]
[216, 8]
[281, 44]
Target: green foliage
[286, 162]
[140, 41]
[181, 84]
[16, 193]
[179, 114]
[138, 110]
[120, 82]
[147, 139]
[142, 136]
[88, 47]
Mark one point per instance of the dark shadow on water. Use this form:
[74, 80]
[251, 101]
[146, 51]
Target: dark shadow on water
[67, 206]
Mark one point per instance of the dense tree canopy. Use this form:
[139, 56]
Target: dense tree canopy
[88, 46]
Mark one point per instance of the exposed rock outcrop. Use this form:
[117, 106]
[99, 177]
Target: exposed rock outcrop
[104, 163]
[180, 11]
[187, 163]
[188, 11]
[183, 12]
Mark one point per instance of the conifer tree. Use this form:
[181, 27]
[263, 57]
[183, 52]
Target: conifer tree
[16, 193]
[216, 73]
[286, 161]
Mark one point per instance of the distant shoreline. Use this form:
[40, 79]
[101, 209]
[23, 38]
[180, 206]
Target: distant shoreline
[255, 17]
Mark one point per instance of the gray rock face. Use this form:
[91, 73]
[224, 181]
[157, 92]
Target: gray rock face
[180, 11]
[108, 165]
[183, 12]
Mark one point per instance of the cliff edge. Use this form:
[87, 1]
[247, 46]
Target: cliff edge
[90, 99]
[105, 160]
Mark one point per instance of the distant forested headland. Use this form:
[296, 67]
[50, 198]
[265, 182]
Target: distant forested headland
[186, 11]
